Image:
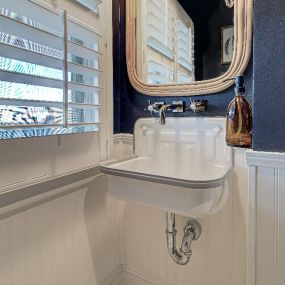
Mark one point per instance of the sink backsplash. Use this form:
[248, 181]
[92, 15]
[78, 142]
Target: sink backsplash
[183, 147]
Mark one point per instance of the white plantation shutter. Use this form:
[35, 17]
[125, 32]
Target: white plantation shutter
[160, 41]
[50, 72]
[169, 49]
[185, 52]
[159, 73]
[160, 27]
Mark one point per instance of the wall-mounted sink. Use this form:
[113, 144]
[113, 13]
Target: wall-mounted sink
[181, 167]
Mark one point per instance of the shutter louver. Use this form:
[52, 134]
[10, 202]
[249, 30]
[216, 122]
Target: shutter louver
[92, 5]
[160, 33]
[184, 46]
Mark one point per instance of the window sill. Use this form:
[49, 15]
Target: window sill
[30, 193]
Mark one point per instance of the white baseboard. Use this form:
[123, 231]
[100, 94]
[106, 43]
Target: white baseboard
[134, 277]
[126, 275]
[115, 278]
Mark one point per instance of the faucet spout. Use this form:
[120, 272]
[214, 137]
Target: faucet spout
[162, 114]
[160, 108]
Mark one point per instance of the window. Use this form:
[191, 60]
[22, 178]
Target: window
[169, 43]
[51, 76]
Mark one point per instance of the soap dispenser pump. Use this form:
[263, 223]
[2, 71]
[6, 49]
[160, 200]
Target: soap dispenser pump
[239, 118]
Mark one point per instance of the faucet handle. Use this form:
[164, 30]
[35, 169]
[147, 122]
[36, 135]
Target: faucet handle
[198, 106]
[149, 107]
[155, 107]
[149, 104]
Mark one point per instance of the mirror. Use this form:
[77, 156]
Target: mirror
[187, 47]
[181, 41]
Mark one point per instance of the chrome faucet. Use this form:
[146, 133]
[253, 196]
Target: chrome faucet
[162, 114]
[154, 108]
[161, 108]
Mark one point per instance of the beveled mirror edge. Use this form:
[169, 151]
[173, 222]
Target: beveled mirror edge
[243, 22]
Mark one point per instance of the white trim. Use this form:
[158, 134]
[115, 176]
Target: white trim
[30, 193]
[265, 159]
[147, 278]
[12, 207]
[47, 178]
[123, 138]
[113, 276]
[251, 231]
[108, 80]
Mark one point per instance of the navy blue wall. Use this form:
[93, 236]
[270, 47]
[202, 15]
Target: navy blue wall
[269, 76]
[265, 79]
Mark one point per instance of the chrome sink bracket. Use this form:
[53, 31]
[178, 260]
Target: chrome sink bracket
[192, 231]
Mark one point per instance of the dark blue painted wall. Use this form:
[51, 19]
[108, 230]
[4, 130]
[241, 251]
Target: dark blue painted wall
[265, 79]
[208, 17]
[269, 76]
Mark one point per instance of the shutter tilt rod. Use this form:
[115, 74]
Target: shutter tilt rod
[65, 88]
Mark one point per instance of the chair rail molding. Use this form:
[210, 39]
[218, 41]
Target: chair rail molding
[266, 159]
[33, 191]
[266, 228]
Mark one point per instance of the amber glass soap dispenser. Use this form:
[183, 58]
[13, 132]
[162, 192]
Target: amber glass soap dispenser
[239, 118]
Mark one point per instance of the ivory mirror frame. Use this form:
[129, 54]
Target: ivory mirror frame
[243, 21]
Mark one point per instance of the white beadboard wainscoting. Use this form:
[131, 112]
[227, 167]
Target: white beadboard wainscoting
[219, 256]
[67, 235]
[66, 229]
[266, 218]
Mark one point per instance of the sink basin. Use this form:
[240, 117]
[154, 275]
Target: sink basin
[182, 167]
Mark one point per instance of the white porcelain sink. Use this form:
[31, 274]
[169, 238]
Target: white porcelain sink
[181, 167]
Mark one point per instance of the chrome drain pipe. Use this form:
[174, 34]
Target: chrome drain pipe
[192, 231]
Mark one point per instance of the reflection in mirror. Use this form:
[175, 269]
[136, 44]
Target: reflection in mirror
[182, 41]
